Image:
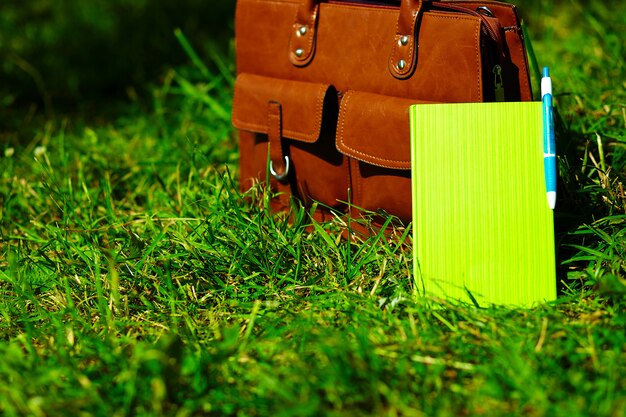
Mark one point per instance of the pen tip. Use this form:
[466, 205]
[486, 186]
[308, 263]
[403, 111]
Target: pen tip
[552, 199]
[546, 72]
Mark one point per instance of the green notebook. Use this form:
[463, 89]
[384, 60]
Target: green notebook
[481, 220]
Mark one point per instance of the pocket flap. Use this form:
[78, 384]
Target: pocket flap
[301, 103]
[375, 129]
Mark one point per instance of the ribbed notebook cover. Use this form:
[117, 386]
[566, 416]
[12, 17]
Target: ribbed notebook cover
[481, 221]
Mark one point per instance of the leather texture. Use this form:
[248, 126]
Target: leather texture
[323, 90]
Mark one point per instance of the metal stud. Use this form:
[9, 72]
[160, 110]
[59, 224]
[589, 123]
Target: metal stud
[302, 30]
[299, 52]
[401, 64]
[404, 40]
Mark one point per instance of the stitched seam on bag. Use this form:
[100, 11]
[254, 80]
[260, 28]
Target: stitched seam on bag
[438, 14]
[478, 63]
[383, 162]
[441, 15]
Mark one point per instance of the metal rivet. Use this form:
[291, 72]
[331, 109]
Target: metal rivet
[299, 52]
[401, 64]
[404, 40]
[302, 31]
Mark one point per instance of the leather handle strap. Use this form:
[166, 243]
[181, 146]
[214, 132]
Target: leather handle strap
[403, 57]
[279, 163]
[303, 33]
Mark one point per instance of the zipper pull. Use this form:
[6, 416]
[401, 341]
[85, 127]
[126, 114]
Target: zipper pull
[498, 85]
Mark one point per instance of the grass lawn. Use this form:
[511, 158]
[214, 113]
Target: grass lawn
[135, 280]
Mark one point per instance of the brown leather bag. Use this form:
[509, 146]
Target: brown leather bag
[323, 89]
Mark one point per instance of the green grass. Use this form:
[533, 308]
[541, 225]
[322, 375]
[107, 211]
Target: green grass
[136, 280]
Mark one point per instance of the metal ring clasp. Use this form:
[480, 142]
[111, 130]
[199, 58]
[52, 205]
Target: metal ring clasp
[485, 11]
[285, 173]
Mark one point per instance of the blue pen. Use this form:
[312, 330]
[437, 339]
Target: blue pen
[549, 149]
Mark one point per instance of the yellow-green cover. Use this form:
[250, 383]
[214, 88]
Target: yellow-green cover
[481, 220]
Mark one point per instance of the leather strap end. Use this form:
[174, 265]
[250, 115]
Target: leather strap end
[279, 164]
[303, 34]
[403, 57]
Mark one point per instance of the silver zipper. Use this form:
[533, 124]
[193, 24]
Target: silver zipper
[498, 84]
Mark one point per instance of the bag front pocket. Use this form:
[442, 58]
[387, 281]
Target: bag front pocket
[373, 131]
[292, 123]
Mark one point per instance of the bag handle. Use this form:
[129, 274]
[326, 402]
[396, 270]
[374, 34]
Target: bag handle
[403, 57]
